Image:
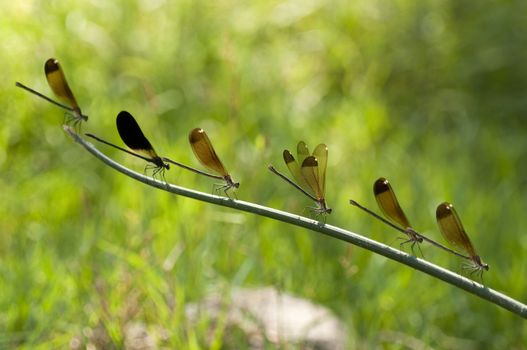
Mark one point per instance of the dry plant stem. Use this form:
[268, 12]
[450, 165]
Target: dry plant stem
[455, 279]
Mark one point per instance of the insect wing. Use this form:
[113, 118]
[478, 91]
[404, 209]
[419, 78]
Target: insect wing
[388, 203]
[321, 154]
[452, 229]
[294, 169]
[310, 173]
[58, 83]
[132, 135]
[203, 150]
[302, 152]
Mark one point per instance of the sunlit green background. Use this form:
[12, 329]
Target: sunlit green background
[430, 94]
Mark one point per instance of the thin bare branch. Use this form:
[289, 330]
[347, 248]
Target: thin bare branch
[450, 277]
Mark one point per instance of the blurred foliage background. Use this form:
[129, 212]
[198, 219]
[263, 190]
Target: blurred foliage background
[430, 94]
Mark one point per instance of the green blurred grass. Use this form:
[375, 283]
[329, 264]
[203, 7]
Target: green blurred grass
[429, 94]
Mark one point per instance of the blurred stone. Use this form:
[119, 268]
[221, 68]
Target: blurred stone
[137, 337]
[266, 315]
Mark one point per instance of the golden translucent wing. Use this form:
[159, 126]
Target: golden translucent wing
[294, 169]
[452, 229]
[133, 136]
[203, 150]
[58, 83]
[321, 154]
[302, 152]
[388, 202]
[310, 173]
